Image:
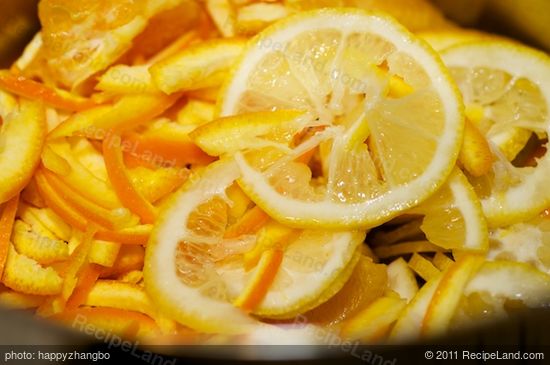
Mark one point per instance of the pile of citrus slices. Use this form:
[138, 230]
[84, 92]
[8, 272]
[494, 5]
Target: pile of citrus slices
[224, 171]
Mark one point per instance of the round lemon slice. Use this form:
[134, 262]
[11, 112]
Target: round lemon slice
[506, 89]
[204, 277]
[358, 77]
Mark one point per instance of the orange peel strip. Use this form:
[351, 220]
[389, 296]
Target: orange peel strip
[250, 222]
[122, 185]
[257, 288]
[34, 90]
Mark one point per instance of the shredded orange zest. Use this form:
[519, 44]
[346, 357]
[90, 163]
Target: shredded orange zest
[22, 86]
[87, 280]
[250, 222]
[178, 153]
[122, 185]
[264, 276]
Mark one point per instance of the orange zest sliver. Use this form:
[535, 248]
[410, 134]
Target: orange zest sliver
[176, 152]
[34, 90]
[6, 223]
[88, 209]
[259, 285]
[122, 185]
[87, 279]
[57, 203]
[250, 222]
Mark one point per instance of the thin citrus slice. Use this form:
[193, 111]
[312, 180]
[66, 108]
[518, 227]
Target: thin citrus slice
[342, 78]
[453, 218]
[508, 87]
[446, 298]
[194, 272]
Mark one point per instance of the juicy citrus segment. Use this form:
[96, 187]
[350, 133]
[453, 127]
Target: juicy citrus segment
[25, 275]
[509, 83]
[249, 131]
[527, 242]
[198, 66]
[446, 298]
[36, 246]
[401, 279]
[373, 323]
[21, 138]
[453, 217]
[321, 70]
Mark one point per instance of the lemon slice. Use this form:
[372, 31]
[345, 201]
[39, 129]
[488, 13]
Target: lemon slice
[195, 273]
[453, 218]
[506, 87]
[356, 82]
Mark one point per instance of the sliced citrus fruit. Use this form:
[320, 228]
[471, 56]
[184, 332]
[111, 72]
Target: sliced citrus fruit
[447, 296]
[453, 217]
[21, 139]
[441, 39]
[304, 63]
[206, 269]
[507, 95]
[527, 242]
[498, 288]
